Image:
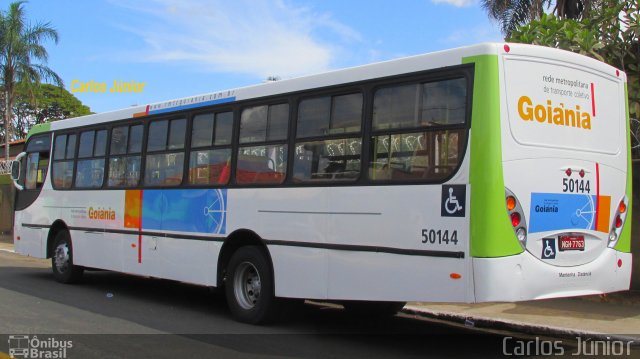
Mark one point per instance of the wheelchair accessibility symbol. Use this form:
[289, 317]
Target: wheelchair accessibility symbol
[453, 201]
[548, 248]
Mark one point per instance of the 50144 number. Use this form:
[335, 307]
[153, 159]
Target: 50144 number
[439, 236]
[576, 185]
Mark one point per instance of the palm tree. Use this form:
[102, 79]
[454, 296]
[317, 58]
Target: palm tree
[20, 43]
[513, 13]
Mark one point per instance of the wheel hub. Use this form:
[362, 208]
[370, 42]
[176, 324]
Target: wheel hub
[61, 257]
[247, 285]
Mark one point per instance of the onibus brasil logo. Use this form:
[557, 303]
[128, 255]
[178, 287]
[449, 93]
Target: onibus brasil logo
[32, 347]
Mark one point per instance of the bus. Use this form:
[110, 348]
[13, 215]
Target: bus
[493, 172]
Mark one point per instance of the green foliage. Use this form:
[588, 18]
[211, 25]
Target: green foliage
[43, 103]
[22, 58]
[609, 34]
[513, 13]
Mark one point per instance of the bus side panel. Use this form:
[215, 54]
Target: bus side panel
[339, 243]
[391, 277]
[87, 214]
[291, 215]
[299, 272]
[404, 217]
[190, 261]
[33, 240]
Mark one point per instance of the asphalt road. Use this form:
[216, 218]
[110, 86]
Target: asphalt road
[111, 315]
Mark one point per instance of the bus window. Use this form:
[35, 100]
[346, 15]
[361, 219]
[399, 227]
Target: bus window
[444, 102]
[263, 164]
[264, 123]
[135, 139]
[415, 156]
[332, 158]
[224, 128]
[209, 166]
[32, 170]
[418, 105]
[429, 154]
[60, 147]
[89, 169]
[124, 171]
[165, 169]
[327, 160]
[202, 130]
[63, 161]
[158, 136]
[208, 162]
[37, 162]
[124, 162]
[86, 144]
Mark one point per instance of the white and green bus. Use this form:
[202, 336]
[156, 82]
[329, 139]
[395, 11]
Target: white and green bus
[495, 172]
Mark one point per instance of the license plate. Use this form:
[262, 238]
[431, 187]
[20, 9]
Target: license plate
[571, 243]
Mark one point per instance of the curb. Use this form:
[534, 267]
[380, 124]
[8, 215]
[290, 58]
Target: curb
[480, 322]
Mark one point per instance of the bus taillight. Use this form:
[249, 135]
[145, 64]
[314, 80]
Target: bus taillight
[515, 219]
[516, 216]
[622, 208]
[618, 222]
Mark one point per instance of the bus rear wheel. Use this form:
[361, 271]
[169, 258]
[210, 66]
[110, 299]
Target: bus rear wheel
[249, 286]
[64, 271]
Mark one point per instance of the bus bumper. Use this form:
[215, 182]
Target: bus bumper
[524, 277]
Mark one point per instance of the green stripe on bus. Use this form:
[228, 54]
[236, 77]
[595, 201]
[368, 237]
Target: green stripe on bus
[491, 232]
[624, 243]
[39, 128]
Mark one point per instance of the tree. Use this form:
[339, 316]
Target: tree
[20, 43]
[43, 103]
[513, 13]
[610, 34]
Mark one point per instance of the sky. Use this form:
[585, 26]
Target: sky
[190, 47]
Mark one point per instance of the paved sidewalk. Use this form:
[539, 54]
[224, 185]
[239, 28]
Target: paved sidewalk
[615, 315]
[6, 246]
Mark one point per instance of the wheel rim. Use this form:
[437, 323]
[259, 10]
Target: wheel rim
[61, 257]
[247, 285]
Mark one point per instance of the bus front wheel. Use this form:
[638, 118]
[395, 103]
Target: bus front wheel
[64, 271]
[249, 286]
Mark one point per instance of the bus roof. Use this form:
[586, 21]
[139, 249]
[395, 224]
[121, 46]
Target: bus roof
[393, 67]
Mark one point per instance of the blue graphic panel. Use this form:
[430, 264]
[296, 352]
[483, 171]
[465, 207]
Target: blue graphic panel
[561, 211]
[152, 205]
[185, 210]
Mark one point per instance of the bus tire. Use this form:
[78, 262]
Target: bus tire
[373, 309]
[64, 271]
[249, 286]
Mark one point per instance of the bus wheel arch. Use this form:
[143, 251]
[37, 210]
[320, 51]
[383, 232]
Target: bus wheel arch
[57, 227]
[246, 271]
[236, 240]
[61, 249]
